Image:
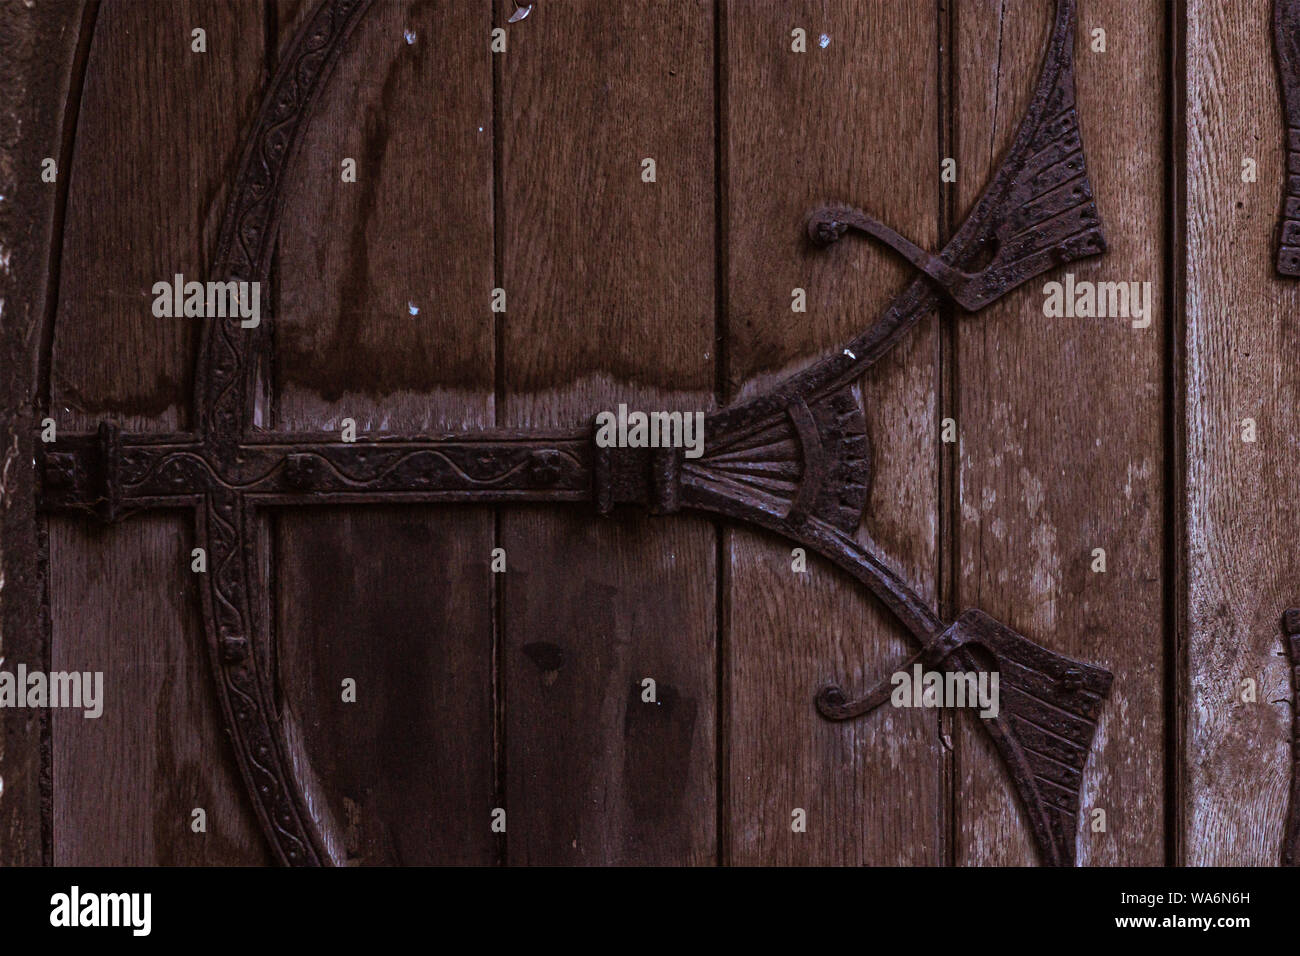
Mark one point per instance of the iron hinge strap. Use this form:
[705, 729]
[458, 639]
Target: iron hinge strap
[649, 477]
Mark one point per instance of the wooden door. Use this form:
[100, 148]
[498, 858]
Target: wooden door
[498, 222]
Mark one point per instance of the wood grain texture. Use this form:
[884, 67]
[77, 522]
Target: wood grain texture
[37, 67]
[285, 17]
[402, 776]
[855, 121]
[610, 284]
[523, 170]
[383, 292]
[1243, 568]
[1060, 424]
[384, 282]
[138, 217]
[126, 783]
[145, 197]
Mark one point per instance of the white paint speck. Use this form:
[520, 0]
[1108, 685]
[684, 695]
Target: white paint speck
[823, 41]
[850, 354]
[412, 308]
[409, 36]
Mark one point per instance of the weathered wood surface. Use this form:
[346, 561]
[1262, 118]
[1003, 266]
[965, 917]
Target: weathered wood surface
[610, 285]
[1061, 429]
[523, 690]
[383, 286]
[1243, 567]
[142, 206]
[855, 121]
[38, 48]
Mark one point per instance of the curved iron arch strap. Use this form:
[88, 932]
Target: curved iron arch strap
[794, 461]
[225, 388]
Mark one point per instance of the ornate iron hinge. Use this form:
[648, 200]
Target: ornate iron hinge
[795, 460]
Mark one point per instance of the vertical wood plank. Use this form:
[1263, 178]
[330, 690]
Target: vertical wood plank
[285, 17]
[855, 121]
[383, 291]
[126, 783]
[1061, 437]
[40, 62]
[610, 284]
[1243, 569]
[139, 210]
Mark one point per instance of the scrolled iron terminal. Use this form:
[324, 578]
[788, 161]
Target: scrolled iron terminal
[795, 460]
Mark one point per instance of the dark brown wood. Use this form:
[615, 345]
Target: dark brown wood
[1066, 430]
[285, 17]
[1050, 126]
[403, 776]
[1036, 212]
[793, 460]
[157, 752]
[802, 128]
[610, 284]
[39, 67]
[397, 599]
[346, 345]
[124, 602]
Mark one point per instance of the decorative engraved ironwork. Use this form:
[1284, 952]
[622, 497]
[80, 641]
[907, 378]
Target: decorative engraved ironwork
[1291, 837]
[225, 389]
[795, 460]
[1037, 213]
[1286, 44]
[1049, 710]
